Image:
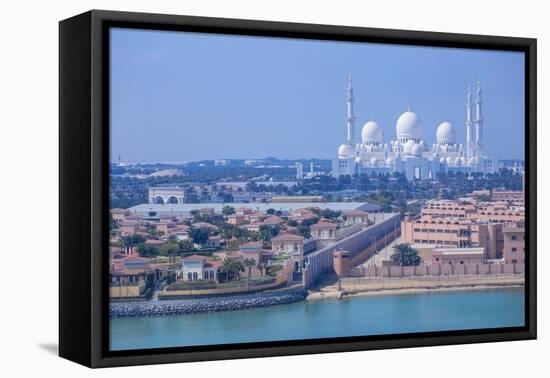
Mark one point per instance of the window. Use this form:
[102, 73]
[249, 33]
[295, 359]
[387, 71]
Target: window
[514, 249]
[514, 237]
[195, 276]
[514, 261]
[190, 276]
[461, 262]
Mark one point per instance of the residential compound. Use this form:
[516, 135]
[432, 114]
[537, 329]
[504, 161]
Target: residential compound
[213, 247]
[494, 224]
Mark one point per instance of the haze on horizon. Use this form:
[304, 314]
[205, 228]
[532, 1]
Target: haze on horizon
[178, 96]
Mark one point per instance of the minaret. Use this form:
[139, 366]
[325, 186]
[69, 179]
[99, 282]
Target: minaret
[350, 120]
[479, 122]
[469, 151]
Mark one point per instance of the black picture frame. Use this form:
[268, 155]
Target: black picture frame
[84, 192]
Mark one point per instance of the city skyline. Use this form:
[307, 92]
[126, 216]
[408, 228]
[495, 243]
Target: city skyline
[160, 94]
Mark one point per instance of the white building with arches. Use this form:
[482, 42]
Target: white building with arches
[164, 195]
[409, 152]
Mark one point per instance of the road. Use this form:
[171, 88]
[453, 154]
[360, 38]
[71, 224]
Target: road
[382, 255]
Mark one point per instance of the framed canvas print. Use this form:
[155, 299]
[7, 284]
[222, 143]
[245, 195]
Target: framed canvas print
[234, 188]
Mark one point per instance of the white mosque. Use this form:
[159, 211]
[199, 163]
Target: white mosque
[409, 152]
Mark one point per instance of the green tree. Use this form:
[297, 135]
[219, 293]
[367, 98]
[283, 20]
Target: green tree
[405, 255]
[146, 250]
[170, 250]
[261, 268]
[132, 240]
[231, 267]
[185, 246]
[330, 214]
[268, 232]
[228, 210]
[227, 231]
[249, 263]
[304, 231]
[113, 224]
[199, 235]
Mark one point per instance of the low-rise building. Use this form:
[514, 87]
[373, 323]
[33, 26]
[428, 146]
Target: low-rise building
[128, 228]
[118, 214]
[356, 217]
[273, 220]
[195, 267]
[458, 256]
[324, 232]
[212, 242]
[514, 244]
[236, 219]
[457, 233]
[288, 244]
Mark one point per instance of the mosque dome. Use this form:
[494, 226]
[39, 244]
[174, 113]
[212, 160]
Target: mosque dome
[357, 160]
[449, 160]
[373, 161]
[445, 133]
[407, 147]
[346, 151]
[442, 160]
[390, 161]
[371, 133]
[416, 150]
[408, 126]
[457, 161]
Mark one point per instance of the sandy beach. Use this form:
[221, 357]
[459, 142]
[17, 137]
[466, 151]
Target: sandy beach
[358, 287]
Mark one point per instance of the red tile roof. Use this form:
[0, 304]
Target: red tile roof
[273, 220]
[288, 237]
[323, 225]
[195, 257]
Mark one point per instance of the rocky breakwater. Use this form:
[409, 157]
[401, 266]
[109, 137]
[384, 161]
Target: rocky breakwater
[179, 307]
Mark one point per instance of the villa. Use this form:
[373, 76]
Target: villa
[197, 267]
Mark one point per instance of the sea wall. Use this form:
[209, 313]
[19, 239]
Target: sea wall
[162, 308]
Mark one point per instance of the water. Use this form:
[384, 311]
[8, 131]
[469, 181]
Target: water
[352, 316]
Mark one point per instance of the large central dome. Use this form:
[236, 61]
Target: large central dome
[408, 126]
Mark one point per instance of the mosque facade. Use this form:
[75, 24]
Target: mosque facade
[408, 152]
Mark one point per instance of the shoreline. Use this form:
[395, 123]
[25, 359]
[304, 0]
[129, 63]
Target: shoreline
[371, 292]
[205, 305]
[275, 298]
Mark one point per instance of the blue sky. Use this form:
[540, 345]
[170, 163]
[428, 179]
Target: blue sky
[178, 96]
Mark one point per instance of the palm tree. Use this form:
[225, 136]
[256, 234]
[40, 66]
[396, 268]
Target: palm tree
[405, 255]
[261, 268]
[230, 266]
[249, 263]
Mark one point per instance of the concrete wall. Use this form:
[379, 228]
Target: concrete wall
[128, 291]
[279, 280]
[360, 246]
[437, 270]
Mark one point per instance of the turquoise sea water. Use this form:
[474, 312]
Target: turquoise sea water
[352, 316]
